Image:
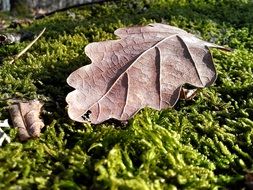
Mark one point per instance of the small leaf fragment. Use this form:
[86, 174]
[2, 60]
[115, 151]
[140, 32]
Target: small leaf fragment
[3, 135]
[25, 116]
[187, 94]
[4, 123]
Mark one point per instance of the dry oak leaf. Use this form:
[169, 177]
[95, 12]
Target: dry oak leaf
[146, 67]
[25, 116]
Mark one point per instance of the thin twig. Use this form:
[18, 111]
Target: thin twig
[27, 47]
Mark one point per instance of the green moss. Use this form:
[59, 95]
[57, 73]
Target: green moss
[205, 143]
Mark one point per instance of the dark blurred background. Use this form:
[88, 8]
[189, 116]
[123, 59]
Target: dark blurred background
[39, 7]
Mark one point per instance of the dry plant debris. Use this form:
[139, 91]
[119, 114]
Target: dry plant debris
[25, 116]
[3, 135]
[146, 67]
[27, 47]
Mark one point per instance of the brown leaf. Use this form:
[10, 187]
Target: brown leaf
[25, 116]
[147, 66]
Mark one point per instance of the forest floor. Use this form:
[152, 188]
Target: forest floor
[203, 143]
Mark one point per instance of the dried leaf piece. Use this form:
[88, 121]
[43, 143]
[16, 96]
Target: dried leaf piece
[25, 116]
[3, 135]
[9, 38]
[147, 66]
[187, 94]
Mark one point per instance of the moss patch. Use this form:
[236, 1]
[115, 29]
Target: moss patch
[205, 143]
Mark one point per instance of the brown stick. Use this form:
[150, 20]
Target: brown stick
[27, 47]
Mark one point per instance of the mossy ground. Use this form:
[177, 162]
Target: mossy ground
[204, 143]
